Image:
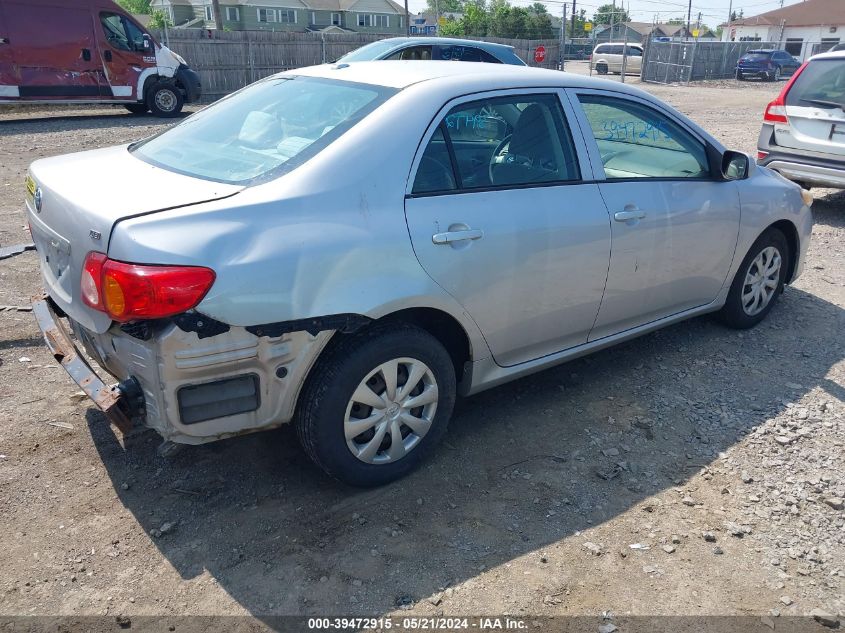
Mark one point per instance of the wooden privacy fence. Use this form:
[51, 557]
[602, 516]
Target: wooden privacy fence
[229, 60]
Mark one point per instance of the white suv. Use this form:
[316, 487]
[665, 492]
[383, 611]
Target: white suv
[803, 134]
[607, 58]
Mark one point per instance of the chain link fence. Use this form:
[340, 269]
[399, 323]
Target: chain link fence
[682, 62]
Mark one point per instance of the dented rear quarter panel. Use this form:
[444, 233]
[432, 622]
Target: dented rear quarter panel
[329, 237]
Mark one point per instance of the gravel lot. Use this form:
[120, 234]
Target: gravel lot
[693, 471]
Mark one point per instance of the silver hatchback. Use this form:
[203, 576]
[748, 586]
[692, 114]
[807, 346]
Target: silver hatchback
[350, 247]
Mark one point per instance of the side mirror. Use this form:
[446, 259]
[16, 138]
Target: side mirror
[735, 165]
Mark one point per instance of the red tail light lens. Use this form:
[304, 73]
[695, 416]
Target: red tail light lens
[776, 110]
[127, 292]
[761, 155]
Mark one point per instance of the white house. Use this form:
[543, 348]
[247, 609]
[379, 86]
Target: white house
[803, 29]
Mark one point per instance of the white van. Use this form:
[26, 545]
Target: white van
[607, 58]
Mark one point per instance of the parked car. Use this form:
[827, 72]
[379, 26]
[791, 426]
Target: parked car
[607, 58]
[766, 64]
[434, 48]
[88, 51]
[803, 133]
[350, 247]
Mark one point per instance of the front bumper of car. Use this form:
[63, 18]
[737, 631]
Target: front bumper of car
[190, 386]
[190, 81]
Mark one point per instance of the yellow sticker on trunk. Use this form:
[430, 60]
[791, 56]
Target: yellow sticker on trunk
[30, 186]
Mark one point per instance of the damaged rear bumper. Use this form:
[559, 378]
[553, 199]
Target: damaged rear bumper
[111, 400]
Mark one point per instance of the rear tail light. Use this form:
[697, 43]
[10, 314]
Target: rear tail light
[776, 110]
[761, 155]
[127, 292]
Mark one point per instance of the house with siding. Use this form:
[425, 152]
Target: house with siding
[364, 16]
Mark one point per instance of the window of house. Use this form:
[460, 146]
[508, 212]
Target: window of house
[287, 16]
[266, 15]
[636, 141]
[365, 19]
[382, 21]
[209, 13]
[413, 30]
[336, 19]
[233, 14]
[793, 45]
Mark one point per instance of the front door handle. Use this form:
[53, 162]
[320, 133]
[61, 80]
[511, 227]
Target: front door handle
[629, 214]
[457, 236]
[86, 54]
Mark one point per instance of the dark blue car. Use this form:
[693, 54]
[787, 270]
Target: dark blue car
[766, 64]
[435, 48]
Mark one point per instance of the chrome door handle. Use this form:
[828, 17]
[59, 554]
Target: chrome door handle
[457, 236]
[631, 214]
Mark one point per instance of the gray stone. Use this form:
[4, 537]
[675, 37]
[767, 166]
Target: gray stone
[825, 619]
[709, 537]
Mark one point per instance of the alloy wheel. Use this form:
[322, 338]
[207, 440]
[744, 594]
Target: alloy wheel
[761, 281]
[390, 411]
[165, 100]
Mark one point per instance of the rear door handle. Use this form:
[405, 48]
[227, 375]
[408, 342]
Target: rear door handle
[457, 236]
[628, 214]
[86, 54]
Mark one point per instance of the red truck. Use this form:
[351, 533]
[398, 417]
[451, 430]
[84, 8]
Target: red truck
[88, 51]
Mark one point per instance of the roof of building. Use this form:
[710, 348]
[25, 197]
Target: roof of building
[806, 13]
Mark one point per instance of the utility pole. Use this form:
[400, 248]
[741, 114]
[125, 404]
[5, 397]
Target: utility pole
[572, 30]
[407, 20]
[218, 17]
[612, 15]
[689, 15]
[561, 58]
[730, 15]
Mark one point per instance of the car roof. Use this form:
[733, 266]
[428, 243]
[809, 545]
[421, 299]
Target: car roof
[447, 41]
[829, 55]
[758, 51]
[404, 73]
[620, 44]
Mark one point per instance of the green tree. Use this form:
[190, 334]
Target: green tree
[159, 19]
[136, 6]
[453, 28]
[539, 8]
[444, 6]
[602, 15]
[475, 18]
[579, 30]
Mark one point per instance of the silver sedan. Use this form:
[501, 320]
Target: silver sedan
[350, 247]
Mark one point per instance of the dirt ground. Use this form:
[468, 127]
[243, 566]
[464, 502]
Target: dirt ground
[724, 452]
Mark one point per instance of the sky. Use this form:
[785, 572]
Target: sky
[714, 12]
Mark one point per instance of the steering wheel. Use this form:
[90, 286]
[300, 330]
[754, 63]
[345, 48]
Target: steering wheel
[499, 156]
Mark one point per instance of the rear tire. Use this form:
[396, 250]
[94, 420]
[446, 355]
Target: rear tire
[353, 441]
[758, 282]
[164, 99]
[601, 69]
[740, 76]
[137, 108]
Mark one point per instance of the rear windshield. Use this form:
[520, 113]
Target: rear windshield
[262, 131]
[822, 83]
[369, 52]
[756, 57]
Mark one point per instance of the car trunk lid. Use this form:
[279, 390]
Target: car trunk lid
[74, 201]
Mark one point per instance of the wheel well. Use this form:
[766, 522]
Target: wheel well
[441, 325]
[149, 81]
[791, 233]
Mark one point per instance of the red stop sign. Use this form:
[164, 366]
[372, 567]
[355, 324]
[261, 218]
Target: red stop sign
[539, 54]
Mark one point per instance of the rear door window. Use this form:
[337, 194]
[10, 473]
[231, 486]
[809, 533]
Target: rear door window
[517, 140]
[822, 83]
[412, 53]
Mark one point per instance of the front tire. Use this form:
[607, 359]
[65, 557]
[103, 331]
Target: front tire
[601, 69]
[758, 282]
[164, 99]
[377, 404]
